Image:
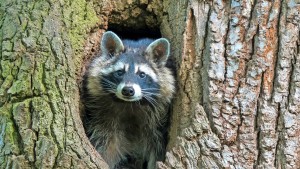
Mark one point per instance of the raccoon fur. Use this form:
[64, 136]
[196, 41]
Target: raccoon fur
[128, 91]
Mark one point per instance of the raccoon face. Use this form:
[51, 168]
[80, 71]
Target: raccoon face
[130, 76]
[130, 81]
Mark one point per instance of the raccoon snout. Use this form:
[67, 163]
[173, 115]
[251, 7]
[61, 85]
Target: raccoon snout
[128, 91]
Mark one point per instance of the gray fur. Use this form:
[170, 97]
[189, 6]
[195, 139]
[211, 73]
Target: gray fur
[122, 129]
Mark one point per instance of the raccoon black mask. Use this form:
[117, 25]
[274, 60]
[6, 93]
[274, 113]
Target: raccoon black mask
[132, 72]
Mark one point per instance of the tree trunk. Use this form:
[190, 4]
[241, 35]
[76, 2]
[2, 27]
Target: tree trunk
[237, 68]
[41, 54]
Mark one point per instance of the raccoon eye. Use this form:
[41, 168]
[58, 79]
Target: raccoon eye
[142, 75]
[118, 73]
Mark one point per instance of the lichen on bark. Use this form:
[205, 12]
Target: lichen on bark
[41, 52]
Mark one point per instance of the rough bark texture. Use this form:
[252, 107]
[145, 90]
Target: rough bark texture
[238, 89]
[247, 53]
[41, 52]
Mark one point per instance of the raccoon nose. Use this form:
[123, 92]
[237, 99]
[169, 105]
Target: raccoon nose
[128, 91]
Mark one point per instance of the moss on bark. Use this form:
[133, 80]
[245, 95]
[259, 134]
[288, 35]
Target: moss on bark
[41, 52]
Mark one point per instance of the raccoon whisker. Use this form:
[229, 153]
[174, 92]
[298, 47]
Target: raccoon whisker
[109, 89]
[150, 89]
[110, 92]
[109, 82]
[107, 92]
[147, 97]
[149, 93]
[108, 85]
[151, 100]
[155, 103]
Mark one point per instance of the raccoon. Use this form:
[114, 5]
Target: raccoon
[128, 91]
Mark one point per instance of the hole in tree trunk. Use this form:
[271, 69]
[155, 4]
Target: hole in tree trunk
[135, 34]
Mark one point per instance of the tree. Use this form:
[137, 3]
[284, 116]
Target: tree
[237, 101]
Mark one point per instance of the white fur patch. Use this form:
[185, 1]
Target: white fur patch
[126, 67]
[137, 92]
[113, 68]
[146, 69]
[96, 66]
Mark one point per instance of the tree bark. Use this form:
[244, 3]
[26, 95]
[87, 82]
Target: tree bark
[240, 61]
[41, 54]
[237, 70]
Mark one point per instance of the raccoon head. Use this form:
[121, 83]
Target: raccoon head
[132, 73]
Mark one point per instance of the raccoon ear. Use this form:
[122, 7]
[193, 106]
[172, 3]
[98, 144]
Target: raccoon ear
[159, 51]
[111, 44]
